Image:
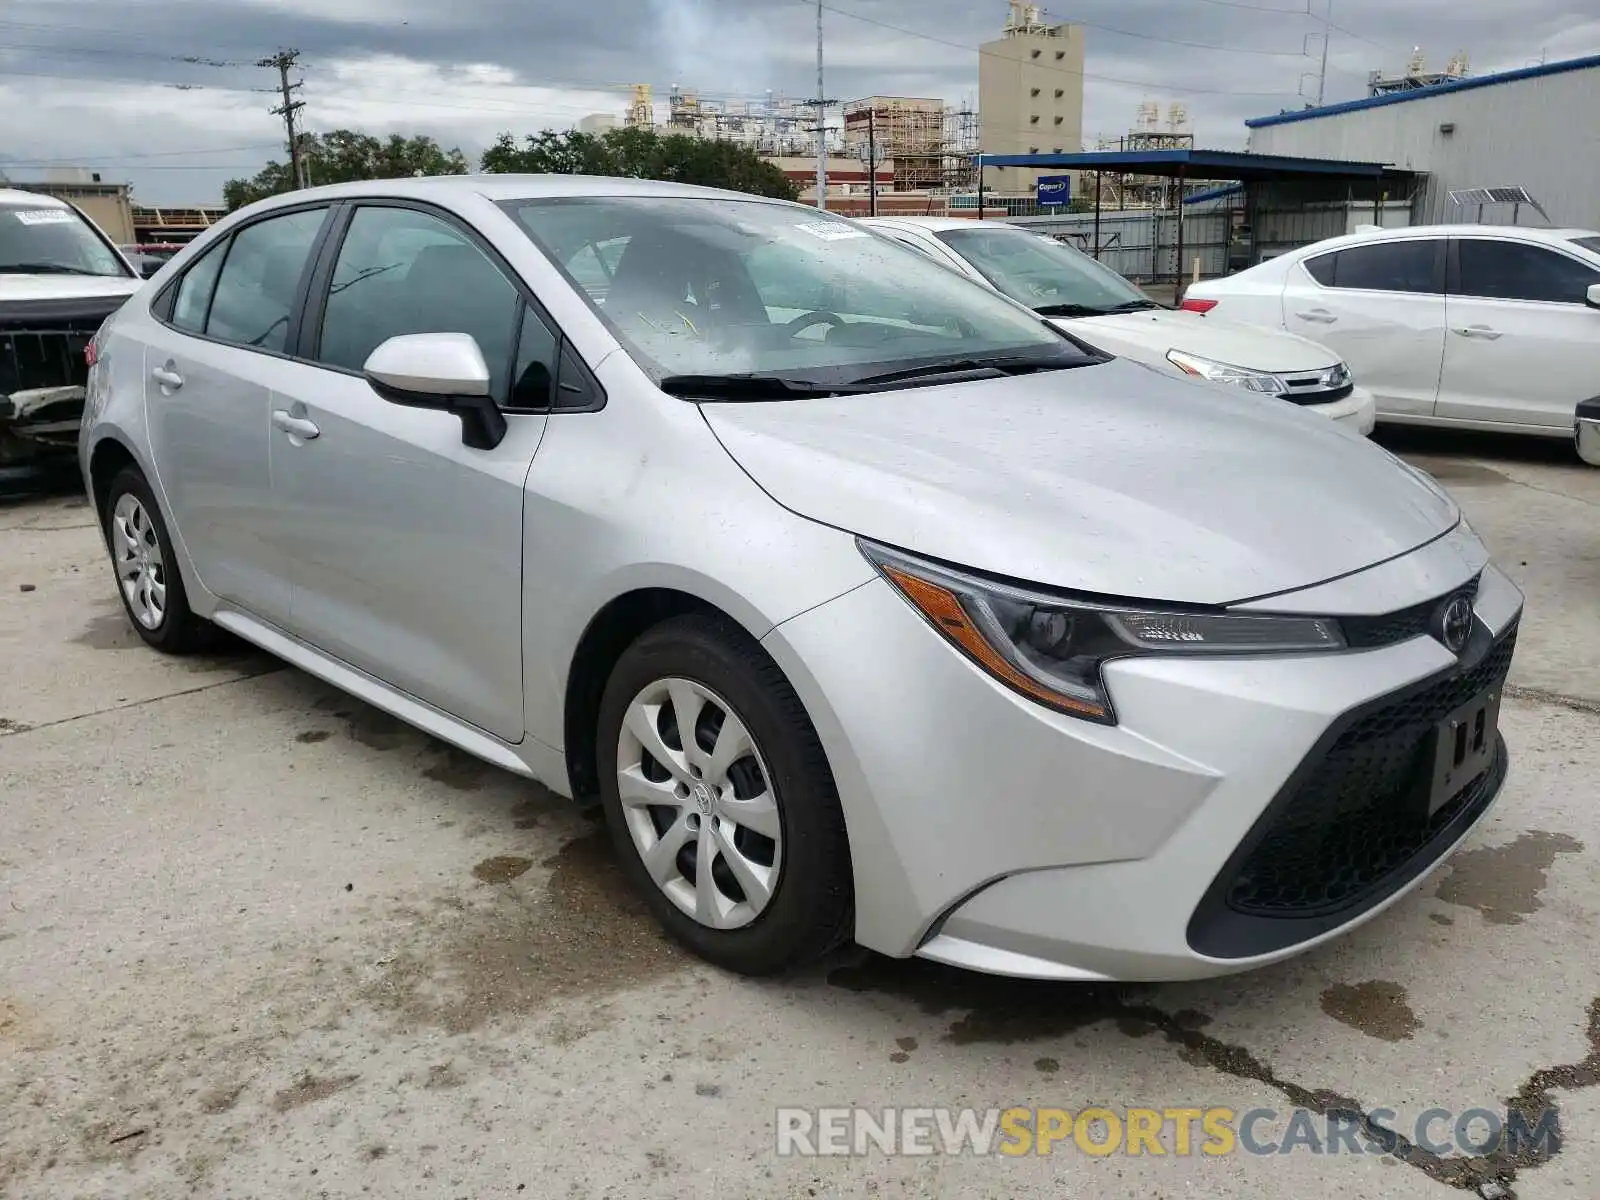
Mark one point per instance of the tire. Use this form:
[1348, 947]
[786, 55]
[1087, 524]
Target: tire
[712, 668]
[136, 534]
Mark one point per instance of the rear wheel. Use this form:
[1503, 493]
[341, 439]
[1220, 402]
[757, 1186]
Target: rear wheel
[147, 574]
[719, 798]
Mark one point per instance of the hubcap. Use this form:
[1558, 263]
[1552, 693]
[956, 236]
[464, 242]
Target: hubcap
[137, 553]
[698, 803]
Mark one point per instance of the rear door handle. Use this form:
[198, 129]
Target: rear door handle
[1320, 315]
[1479, 331]
[167, 377]
[295, 426]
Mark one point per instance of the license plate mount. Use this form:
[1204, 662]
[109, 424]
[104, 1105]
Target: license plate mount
[1464, 746]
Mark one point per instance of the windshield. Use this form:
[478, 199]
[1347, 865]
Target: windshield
[53, 240]
[1043, 273]
[711, 288]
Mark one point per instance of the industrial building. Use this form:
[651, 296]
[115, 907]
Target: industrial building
[108, 205]
[908, 131]
[1030, 94]
[1536, 128]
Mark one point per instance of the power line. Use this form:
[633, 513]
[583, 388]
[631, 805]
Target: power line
[117, 156]
[283, 62]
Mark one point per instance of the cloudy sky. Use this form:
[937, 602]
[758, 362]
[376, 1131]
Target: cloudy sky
[102, 83]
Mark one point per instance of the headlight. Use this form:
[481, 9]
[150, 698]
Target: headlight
[1051, 648]
[1205, 368]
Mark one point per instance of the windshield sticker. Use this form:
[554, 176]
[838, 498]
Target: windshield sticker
[830, 231]
[44, 216]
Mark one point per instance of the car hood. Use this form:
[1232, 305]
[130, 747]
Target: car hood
[1147, 336]
[64, 287]
[1110, 478]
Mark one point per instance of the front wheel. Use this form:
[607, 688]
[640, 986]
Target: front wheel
[720, 800]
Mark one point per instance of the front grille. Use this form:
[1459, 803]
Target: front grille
[1316, 395]
[42, 342]
[1358, 816]
[1365, 633]
[44, 358]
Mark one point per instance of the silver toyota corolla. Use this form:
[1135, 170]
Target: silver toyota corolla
[865, 602]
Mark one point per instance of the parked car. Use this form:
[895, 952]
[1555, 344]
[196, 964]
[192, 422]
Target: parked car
[910, 618]
[148, 258]
[1094, 303]
[59, 279]
[1479, 326]
[1586, 431]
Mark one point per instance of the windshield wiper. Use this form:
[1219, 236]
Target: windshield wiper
[46, 268]
[1090, 310]
[1068, 310]
[748, 386]
[999, 365]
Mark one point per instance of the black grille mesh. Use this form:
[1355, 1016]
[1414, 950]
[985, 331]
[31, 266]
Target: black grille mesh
[1358, 816]
[1406, 623]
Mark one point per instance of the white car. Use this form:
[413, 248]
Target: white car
[1100, 307]
[1479, 326]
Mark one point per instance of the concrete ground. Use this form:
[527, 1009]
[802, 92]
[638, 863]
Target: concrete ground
[259, 940]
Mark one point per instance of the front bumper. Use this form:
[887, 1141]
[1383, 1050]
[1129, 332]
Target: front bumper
[993, 834]
[1357, 412]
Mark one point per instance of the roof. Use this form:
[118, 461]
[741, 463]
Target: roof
[933, 223]
[1428, 93]
[16, 196]
[1201, 164]
[1519, 233]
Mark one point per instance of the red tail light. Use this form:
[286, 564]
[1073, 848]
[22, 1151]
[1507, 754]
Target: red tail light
[1197, 305]
[91, 353]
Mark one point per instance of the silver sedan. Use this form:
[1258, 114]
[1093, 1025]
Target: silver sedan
[865, 602]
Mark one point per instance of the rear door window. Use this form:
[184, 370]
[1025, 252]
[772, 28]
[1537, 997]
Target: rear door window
[260, 280]
[1499, 270]
[1401, 266]
[194, 291]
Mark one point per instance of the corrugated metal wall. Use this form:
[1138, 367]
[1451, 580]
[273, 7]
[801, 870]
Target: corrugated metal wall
[1541, 132]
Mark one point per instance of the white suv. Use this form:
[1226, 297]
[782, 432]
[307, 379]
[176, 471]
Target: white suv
[1479, 326]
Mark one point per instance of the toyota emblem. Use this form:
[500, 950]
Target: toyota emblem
[1455, 623]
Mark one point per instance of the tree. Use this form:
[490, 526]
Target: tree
[640, 154]
[343, 156]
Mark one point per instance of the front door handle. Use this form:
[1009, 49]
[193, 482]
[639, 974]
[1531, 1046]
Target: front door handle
[295, 426]
[1320, 315]
[167, 377]
[1479, 331]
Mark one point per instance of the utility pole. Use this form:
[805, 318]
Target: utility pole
[282, 61]
[822, 126]
[872, 162]
[1327, 35]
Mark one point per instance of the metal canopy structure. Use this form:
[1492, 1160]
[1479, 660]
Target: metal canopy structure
[1185, 164]
[1200, 164]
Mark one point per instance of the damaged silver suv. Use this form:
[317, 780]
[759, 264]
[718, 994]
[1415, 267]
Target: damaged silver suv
[60, 278]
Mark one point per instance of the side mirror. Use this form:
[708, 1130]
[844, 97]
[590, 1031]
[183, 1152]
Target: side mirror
[148, 270]
[1592, 296]
[443, 371]
[1586, 431]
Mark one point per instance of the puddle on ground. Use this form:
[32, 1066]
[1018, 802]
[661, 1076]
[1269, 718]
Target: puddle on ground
[1503, 882]
[110, 631]
[457, 769]
[1447, 470]
[502, 869]
[308, 1089]
[376, 729]
[997, 1009]
[1377, 1008]
[514, 951]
